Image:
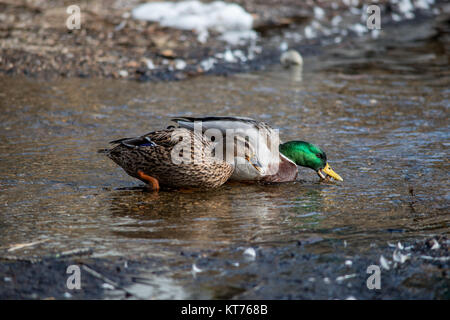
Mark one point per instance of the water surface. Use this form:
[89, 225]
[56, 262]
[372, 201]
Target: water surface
[382, 120]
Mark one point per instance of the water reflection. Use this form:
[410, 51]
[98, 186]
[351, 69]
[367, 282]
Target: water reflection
[234, 212]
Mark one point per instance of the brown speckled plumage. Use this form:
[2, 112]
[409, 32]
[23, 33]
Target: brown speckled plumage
[152, 154]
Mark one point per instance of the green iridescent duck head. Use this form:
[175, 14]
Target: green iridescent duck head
[308, 155]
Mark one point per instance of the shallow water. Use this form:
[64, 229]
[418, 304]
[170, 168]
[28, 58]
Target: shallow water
[383, 121]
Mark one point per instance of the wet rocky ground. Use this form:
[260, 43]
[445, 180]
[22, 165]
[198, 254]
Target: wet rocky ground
[302, 270]
[35, 41]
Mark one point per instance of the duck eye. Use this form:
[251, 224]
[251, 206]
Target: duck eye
[321, 156]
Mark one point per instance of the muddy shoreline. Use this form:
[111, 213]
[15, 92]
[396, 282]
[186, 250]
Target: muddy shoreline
[35, 42]
[272, 274]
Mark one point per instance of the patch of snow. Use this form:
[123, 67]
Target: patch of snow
[284, 46]
[196, 269]
[345, 277]
[123, 73]
[238, 36]
[397, 256]
[253, 50]
[327, 31]
[405, 6]
[149, 64]
[240, 55]
[443, 259]
[107, 286]
[355, 11]
[409, 15]
[207, 64]
[336, 20]
[384, 263]
[180, 64]
[422, 4]
[396, 17]
[229, 19]
[228, 56]
[375, 33]
[436, 245]
[202, 36]
[309, 32]
[250, 252]
[120, 26]
[319, 13]
[358, 28]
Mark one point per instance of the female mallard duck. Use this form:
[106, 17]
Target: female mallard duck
[273, 161]
[176, 157]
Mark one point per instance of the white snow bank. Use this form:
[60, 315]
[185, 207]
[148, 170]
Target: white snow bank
[229, 19]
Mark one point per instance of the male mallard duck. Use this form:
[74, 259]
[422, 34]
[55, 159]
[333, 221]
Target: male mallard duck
[273, 161]
[176, 157]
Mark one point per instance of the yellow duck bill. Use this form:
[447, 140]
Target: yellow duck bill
[328, 171]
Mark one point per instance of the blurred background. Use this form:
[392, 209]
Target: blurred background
[174, 40]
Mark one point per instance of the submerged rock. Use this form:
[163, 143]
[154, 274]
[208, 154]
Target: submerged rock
[291, 58]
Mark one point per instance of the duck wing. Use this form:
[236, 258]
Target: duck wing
[223, 123]
[167, 138]
[261, 137]
[135, 142]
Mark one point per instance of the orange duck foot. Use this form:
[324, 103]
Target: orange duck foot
[153, 183]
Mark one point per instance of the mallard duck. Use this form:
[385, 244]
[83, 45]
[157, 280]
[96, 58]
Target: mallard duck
[174, 157]
[274, 161]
